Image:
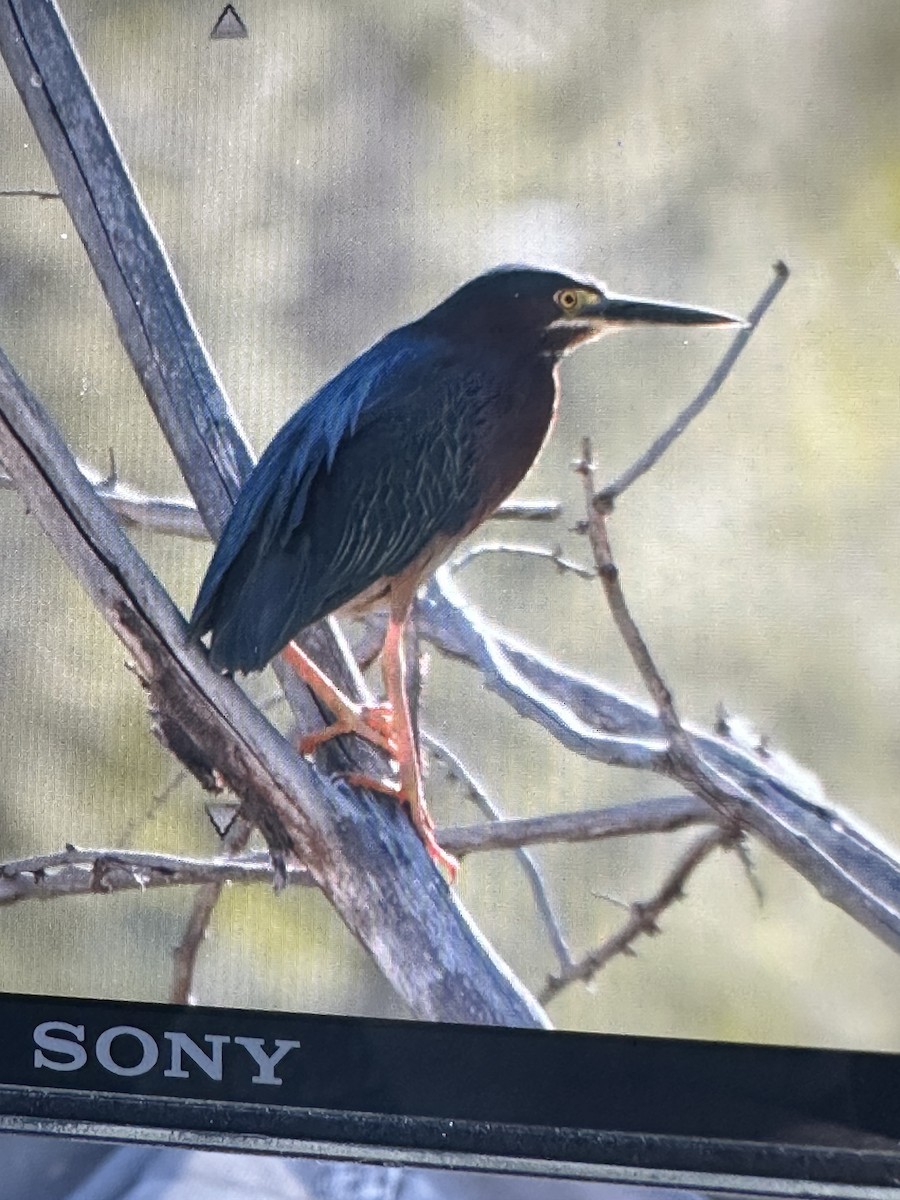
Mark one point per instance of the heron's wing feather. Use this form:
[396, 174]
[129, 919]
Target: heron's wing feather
[401, 482]
[348, 491]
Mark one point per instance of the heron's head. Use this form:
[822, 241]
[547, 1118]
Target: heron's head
[556, 311]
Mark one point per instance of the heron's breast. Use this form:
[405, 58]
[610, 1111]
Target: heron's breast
[512, 431]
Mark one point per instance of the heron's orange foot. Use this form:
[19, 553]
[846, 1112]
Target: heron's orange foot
[418, 814]
[446, 862]
[373, 722]
[372, 783]
[380, 719]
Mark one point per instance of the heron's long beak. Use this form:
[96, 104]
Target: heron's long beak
[631, 310]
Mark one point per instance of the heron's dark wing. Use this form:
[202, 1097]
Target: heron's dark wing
[368, 473]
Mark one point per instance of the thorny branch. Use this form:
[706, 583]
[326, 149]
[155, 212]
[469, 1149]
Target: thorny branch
[642, 919]
[77, 871]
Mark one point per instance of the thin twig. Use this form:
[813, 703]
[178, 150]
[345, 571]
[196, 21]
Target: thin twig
[613, 490]
[165, 793]
[643, 915]
[528, 510]
[457, 770]
[608, 572]
[33, 193]
[185, 954]
[563, 565]
[742, 849]
[77, 871]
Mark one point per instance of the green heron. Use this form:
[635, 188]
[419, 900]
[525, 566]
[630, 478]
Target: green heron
[373, 482]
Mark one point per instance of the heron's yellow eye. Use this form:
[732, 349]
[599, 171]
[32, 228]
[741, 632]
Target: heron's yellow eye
[568, 300]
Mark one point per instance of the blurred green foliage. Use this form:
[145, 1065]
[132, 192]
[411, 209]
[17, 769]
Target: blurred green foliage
[334, 175]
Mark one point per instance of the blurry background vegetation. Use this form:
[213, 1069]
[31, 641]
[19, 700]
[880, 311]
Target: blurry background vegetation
[334, 175]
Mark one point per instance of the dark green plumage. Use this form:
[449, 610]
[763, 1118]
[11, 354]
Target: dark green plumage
[401, 454]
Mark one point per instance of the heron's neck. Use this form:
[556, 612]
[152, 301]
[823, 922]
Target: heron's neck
[515, 421]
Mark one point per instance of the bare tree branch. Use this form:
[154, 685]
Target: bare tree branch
[136, 510]
[457, 770]
[76, 871]
[664, 815]
[643, 916]
[33, 193]
[608, 573]
[451, 624]
[565, 566]
[613, 490]
[176, 516]
[80, 872]
[685, 762]
[779, 802]
[528, 510]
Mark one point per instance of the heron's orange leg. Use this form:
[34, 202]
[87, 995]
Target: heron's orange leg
[411, 791]
[387, 725]
[393, 788]
[374, 722]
